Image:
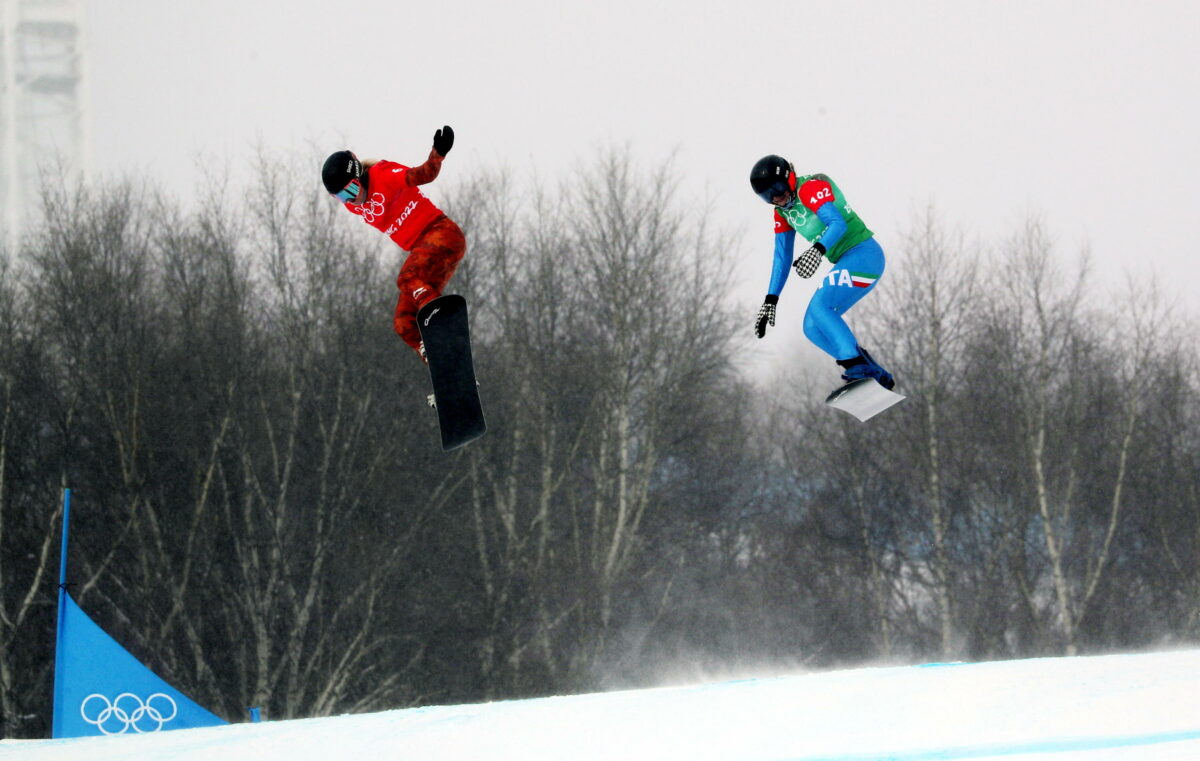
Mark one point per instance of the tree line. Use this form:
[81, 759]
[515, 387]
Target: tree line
[263, 516]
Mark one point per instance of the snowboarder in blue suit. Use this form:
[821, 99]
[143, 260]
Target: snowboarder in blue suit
[814, 207]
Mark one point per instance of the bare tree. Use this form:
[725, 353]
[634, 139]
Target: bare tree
[1170, 501]
[651, 282]
[522, 302]
[929, 305]
[596, 393]
[1053, 372]
[306, 464]
[28, 522]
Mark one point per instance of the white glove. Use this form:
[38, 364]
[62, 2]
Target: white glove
[766, 315]
[806, 264]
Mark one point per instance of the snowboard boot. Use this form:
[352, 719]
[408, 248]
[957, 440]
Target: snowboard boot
[863, 366]
[855, 368]
[883, 376]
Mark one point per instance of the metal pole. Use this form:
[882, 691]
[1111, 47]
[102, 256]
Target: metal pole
[62, 558]
[56, 723]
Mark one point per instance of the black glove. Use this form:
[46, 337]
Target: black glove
[443, 140]
[766, 315]
[806, 264]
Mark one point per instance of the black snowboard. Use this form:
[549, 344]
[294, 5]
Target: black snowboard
[447, 337]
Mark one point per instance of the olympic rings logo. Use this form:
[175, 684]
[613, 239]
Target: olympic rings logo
[372, 208]
[796, 217]
[128, 711]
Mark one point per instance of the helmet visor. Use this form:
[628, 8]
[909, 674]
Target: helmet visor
[774, 190]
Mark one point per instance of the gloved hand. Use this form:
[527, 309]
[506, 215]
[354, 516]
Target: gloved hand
[806, 264]
[766, 315]
[443, 140]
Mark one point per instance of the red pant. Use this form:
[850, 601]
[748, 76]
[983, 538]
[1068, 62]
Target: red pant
[430, 265]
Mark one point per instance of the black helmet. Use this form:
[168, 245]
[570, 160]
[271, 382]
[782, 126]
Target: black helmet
[772, 176]
[340, 168]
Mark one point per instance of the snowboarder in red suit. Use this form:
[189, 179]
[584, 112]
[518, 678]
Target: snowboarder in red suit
[387, 196]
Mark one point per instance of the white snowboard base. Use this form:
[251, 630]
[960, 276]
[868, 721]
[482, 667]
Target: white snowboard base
[863, 398]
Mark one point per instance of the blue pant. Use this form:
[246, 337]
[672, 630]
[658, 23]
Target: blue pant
[853, 277]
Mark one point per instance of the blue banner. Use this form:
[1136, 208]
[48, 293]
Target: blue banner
[100, 689]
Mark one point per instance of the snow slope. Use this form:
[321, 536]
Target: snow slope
[1065, 709]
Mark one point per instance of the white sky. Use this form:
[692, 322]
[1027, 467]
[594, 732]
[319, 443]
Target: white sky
[1084, 112]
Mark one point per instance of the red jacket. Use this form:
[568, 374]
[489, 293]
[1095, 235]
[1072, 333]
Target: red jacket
[395, 205]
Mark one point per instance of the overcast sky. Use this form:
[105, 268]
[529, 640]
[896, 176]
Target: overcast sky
[1083, 112]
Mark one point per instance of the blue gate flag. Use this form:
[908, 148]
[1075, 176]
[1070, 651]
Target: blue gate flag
[106, 691]
[99, 688]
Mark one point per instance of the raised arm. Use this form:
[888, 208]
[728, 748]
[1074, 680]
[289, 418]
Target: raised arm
[427, 172]
[443, 141]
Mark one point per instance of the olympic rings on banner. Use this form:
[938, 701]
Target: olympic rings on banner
[129, 711]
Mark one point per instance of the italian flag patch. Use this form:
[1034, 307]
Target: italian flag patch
[862, 279]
